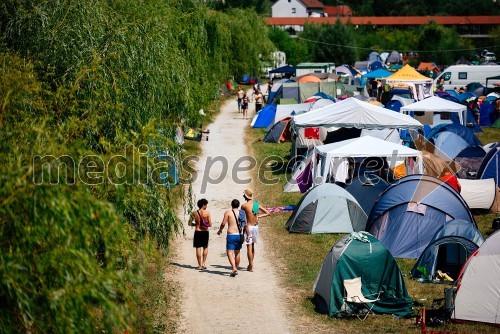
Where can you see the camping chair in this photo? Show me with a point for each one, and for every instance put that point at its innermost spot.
(355, 297)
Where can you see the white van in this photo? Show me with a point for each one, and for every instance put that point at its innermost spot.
(461, 75)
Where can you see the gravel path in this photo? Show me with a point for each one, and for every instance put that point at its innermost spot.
(211, 300)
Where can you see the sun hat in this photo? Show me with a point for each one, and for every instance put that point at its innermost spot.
(247, 193)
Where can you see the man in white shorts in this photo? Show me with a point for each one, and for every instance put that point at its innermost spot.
(252, 209)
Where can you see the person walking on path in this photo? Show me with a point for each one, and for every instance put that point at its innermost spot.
(252, 209)
(233, 241)
(202, 220)
(244, 105)
(239, 97)
(259, 99)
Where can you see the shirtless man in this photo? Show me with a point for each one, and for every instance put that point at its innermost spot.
(259, 99)
(252, 209)
(203, 221)
(239, 97)
(233, 242)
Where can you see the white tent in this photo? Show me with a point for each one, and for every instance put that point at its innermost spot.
(332, 156)
(391, 135)
(478, 194)
(286, 110)
(353, 113)
(436, 104)
(478, 295)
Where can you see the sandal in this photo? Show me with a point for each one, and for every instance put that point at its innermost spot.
(234, 273)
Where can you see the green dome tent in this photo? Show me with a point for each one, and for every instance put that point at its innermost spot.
(361, 255)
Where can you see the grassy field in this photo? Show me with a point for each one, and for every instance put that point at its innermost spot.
(299, 257)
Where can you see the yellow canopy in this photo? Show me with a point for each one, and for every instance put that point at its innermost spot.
(408, 74)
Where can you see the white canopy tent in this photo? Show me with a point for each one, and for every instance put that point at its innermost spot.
(436, 104)
(353, 113)
(333, 156)
(348, 113)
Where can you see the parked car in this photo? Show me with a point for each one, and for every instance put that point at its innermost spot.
(489, 56)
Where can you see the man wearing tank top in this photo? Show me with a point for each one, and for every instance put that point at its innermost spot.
(200, 240)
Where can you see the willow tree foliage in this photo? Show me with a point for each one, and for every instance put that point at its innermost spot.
(91, 94)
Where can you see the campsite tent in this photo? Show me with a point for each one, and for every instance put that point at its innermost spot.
(361, 255)
(394, 58)
(332, 155)
(469, 160)
(320, 103)
(301, 178)
(366, 189)
(353, 113)
(374, 56)
(428, 67)
(377, 74)
(279, 132)
(348, 113)
(376, 65)
(276, 90)
(478, 295)
(459, 228)
(422, 85)
(327, 208)
(287, 69)
(478, 194)
(464, 132)
(287, 110)
(436, 106)
(308, 78)
(448, 145)
(447, 254)
(264, 117)
(411, 210)
(490, 167)
(396, 102)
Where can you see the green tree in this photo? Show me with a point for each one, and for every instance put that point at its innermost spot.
(440, 44)
(283, 42)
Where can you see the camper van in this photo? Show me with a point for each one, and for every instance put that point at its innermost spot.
(461, 75)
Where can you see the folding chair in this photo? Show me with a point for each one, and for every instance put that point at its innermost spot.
(355, 297)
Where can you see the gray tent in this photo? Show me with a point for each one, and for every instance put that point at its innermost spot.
(327, 208)
(394, 58)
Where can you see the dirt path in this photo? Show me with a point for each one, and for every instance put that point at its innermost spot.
(212, 301)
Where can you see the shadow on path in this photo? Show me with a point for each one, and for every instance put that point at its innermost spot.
(208, 271)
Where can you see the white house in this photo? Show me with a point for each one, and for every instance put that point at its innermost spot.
(298, 8)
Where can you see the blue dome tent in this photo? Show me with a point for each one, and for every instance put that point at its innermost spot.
(411, 210)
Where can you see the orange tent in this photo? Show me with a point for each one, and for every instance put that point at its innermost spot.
(309, 78)
(428, 67)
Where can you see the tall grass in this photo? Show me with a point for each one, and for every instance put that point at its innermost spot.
(98, 79)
